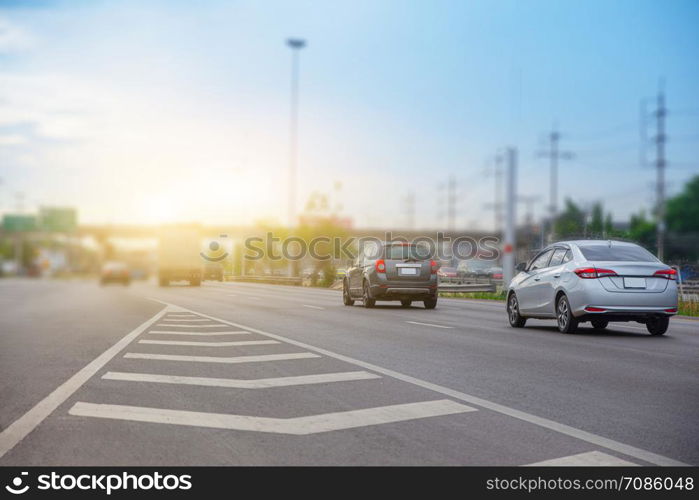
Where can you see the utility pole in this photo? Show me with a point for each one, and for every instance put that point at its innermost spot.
(529, 202)
(19, 240)
(554, 154)
(497, 205)
(660, 164)
(296, 45)
(410, 210)
(451, 202)
(509, 237)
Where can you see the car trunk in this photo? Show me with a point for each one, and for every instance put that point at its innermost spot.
(632, 277)
(408, 270)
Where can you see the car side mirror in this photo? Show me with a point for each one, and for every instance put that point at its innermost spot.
(521, 267)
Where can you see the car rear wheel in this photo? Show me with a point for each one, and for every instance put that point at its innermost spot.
(430, 303)
(657, 326)
(599, 324)
(346, 298)
(369, 302)
(513, 315)
(564, 316)
(406, 303)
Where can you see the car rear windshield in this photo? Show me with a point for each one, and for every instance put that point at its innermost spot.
(405, 252)
(617, 253)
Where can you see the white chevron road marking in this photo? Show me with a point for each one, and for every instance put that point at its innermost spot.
(217, 359)
(262, 383)
(313, 424)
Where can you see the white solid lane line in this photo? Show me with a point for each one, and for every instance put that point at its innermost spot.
(261, 383)
(428, 324)
(209, 344)
(597, 440)
(217, 359)
(312, 307)
(591, 458)
(207, 334)
(164, 325)
(27, 422)
(313, 424)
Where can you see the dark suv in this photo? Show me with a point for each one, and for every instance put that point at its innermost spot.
(392, 271)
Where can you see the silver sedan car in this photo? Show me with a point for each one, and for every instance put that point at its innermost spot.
(597, 281)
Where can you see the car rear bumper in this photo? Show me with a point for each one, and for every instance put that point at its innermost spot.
(385, 291)
(586, 299)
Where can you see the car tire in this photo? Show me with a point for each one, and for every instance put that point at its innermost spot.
(513, 315)
(658, 326)
(567, 323)
(346, 297)
(367, 299)
(430, 303)
(406, 303)
(599, 324)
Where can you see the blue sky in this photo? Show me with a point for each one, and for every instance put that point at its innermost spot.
(160, 110)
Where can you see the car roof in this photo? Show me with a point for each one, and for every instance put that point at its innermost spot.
(589, 243)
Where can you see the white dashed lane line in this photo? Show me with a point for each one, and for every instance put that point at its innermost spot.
(312, 306)
(428, 324)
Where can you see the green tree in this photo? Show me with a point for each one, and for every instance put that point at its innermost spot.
(642, 231)
(571, 222)
(682, 213)
(597, 221)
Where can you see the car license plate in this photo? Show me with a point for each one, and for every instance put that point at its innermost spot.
(407, 271)
(634, 282)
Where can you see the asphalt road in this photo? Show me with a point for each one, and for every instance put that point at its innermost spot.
(290, 376)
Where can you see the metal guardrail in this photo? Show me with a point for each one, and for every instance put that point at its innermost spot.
(467, 287)
(274, 280)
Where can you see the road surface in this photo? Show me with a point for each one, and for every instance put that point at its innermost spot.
(251, 374)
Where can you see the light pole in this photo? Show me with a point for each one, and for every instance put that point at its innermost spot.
(296, 44)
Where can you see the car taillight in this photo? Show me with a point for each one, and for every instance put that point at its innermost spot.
(593, 272)
(380, 266)
(434, 267)
(595, 309)
(670, 274)
(673, 310)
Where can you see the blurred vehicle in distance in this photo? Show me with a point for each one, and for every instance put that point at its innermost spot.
(494, 273)
(115, 272)
(213, 271)
(473, 268)
(392, 271)
(447, 272)
(597, 281)
(179, 256)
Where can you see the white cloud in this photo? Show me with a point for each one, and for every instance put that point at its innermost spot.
(12, 140)
(13, 38)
